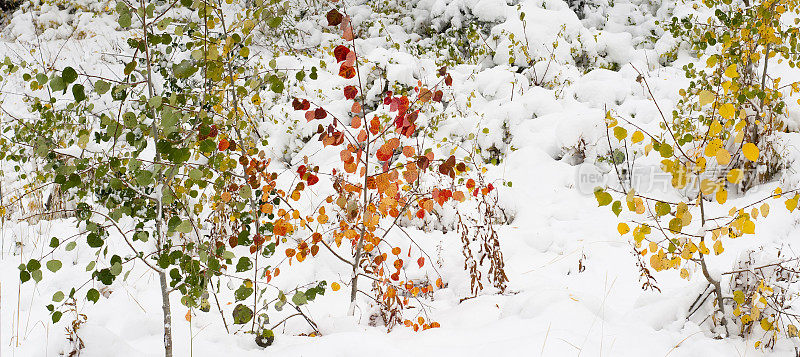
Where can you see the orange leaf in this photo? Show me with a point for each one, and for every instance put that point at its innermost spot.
(346, 71)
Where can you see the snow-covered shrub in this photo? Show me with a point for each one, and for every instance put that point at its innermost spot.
(719, 138)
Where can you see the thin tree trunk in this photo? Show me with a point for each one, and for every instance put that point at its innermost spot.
(162, 276)
(360, 244)
(706, 274)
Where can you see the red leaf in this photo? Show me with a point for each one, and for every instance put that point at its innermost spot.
(297, 104)
(384, 153)
(448, 80)
(334, 17)
(223, 145)
(437, 97)
(320, 113)
(310, 115)
(421, 261)
(312, 180)
(347, 71)
(340, 52)
(350, 92)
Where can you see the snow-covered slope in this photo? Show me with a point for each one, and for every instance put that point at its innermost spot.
(574, 286)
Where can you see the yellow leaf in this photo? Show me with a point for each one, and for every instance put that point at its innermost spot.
(703, 248)
(727, 110)
(623, 228)
(722, 196)
(712, 147)
(749, 227)
(791, 204)
(765, 324)
(738, 296)
(718, 249)
(731, 72)
(735, 176)
(708, 186)
(684, 273)
(639, 205)
(750, 151)
(711, 61)
(715, 128)
(620, 133)
(764, 210)
(723, 157)
(637, 137)
(335, 286)
(739, 137)
(610, 121)
(706, 97)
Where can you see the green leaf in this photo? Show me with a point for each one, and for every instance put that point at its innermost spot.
(196, 174)
(116, 268)
(53, 242)
(299, 298)
(665, 150)
(244, 264)
(662, 208)
(603, 198)
(101, 86)
(242, 292)
(33, 264)
(184, 227)
(78, 93)
(124, 20)
(54, 265)
(93, 295)
(242, 314)
(129, 67)
(144, 177)
(24, 276)
(675, 224)
(245, 191)
(94, 240)
(36, 275)
(58, 296)
(69, 75)
(57, 316)
(57, 84)
(616, 208)
(184, 69)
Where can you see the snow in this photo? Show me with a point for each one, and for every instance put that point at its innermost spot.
(574, 287)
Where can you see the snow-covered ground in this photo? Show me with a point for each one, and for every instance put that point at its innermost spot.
(574, 288)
